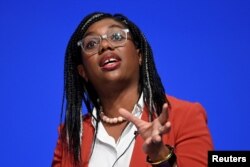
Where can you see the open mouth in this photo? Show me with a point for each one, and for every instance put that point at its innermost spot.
(110, 62)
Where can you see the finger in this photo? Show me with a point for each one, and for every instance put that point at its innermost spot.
(156, 139)
(156, 131)
(130, 117)
(166, 128)
(164, 114)
(153, 140)
(161, 129)
(146, 144)
(148, 141)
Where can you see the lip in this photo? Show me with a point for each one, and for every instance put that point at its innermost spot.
(109, 61)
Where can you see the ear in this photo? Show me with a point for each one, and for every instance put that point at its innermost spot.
(82, 72)
(139, 55)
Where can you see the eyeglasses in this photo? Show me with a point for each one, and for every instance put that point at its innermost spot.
(116, 37)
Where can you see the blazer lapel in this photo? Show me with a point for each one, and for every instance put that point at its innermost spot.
(87, 139)
(138, 156)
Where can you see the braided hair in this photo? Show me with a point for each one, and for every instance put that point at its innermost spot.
(77, 91)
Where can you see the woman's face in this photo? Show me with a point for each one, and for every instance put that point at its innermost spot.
(110, 64)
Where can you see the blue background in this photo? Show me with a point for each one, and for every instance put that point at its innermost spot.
(201, 50)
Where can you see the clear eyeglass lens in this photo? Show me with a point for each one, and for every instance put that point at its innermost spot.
(115, 37)
(91, 43)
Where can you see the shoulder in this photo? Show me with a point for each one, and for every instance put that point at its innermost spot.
(187, 117)
(189, 132)
(177, 103)
(86, 119)
(184, 108)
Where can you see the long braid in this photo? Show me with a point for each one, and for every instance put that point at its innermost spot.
(151, 84)
(77, 90)
(73, 89)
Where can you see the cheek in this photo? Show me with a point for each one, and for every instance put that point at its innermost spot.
(133, 58)
(90, 65)
(132, 53)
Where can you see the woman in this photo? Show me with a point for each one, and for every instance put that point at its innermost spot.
(130, 121)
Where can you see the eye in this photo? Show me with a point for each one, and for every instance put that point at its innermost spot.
(117, 36)
(90, 43)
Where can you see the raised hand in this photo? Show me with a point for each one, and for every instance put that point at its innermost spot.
(151, 132)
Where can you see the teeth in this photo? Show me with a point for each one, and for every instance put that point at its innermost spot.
(109, 60)
(112, 59)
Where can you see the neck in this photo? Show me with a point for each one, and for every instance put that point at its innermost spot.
(112, 101)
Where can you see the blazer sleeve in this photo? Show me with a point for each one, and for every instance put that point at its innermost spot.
(57, 159)
(193, 139)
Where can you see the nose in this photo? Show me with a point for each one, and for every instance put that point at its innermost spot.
(105, 45)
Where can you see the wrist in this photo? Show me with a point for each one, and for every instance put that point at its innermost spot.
(165, 161)
(158, 154)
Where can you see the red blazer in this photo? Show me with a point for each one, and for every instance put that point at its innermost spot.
(189, 135)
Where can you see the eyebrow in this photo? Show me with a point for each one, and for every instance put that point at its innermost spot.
(111, 26)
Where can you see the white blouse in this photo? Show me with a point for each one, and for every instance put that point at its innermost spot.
(107, 152)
